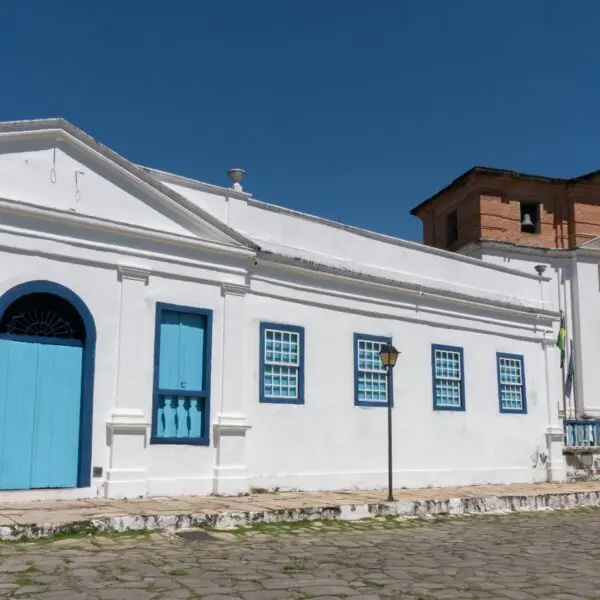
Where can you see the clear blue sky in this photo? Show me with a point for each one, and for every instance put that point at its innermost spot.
(355, 110)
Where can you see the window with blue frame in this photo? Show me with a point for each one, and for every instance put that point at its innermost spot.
(511, 383)
(281, 364)
(181, 411)
(370, 376)
(448, 378)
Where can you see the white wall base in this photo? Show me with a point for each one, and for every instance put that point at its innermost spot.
(230, 473)
(402, 479)
(126, 483)
(180, 486)
(231, 481)
(94, 491)
(556, 466)
(127, 475)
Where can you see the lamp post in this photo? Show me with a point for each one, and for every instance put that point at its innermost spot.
(388, 356)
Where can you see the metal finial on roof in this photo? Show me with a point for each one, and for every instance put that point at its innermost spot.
(236, 175)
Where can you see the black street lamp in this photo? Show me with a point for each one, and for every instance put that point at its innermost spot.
(388, 356)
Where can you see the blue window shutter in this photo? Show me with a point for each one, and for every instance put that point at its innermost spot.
(168, 378)
(191, 352)
(181, 413)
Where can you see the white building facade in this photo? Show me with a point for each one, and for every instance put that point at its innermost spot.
(162, 336)
(573, 290)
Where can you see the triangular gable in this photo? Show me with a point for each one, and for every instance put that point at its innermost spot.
(53, 164)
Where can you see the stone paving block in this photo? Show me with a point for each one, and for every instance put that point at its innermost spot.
(62, 595)
(266, 595)
(520, 556)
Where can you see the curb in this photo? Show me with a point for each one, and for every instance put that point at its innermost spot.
(345, 512)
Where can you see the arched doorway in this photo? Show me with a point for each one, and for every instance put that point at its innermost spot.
(47, 343)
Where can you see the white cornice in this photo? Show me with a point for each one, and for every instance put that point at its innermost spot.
(385, 304)
(507, 249)
(112, 251)
(416, 290)
(388, 239)
(63, 216)
(450, 318)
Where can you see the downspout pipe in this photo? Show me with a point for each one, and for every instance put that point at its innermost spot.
(578, 398)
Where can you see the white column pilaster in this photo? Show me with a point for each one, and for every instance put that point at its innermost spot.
(555, 464)
(129, 420)
(230, 424)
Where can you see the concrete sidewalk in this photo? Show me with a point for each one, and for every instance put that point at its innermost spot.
(44, 518)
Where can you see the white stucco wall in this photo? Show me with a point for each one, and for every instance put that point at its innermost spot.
(587, 355)
(330, 443)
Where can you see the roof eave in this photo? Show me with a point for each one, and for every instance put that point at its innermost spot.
(484, 171)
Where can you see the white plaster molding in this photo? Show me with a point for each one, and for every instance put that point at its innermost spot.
(230, 424)
(230, 477)
(135, 273)
(232, 419)
(413, 307)
(554, 433)
(20, 234)
(416, 290)
(548, 342)
(234, 289)
(127, 419)
(70, 218)
(507, 248)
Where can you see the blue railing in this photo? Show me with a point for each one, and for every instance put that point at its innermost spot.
(582, 432)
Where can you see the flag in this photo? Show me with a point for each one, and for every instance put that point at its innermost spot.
(570, 373)
(560, 340)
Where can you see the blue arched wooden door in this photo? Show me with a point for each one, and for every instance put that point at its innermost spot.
(42, 338)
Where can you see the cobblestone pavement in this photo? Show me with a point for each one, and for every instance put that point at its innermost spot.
(549, 555)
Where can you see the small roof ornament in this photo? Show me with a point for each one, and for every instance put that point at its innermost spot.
(237, 175)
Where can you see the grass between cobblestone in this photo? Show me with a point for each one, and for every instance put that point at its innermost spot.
(86, 529)
(76, 531)
(367, 524)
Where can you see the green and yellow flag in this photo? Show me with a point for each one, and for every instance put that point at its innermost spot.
(560, 340)
(570, 373)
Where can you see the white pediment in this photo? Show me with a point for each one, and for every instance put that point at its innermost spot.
(62, 169)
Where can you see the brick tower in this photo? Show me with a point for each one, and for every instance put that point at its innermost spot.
(486, 204)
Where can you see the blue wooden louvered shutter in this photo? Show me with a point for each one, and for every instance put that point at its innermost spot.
(182, 376)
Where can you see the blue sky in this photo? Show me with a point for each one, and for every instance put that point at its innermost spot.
(355, 110)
